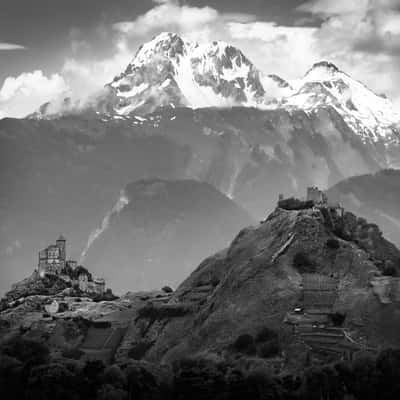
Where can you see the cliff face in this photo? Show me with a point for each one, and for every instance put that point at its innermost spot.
(258, 281)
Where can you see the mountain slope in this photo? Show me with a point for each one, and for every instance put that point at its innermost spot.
(375, 197)
(160, 231)
(260, 278)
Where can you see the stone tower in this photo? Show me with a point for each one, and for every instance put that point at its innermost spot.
(316, 195)
(61, 244)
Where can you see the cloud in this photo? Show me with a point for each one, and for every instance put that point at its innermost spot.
(87, 76)
(11, 46)
(329, 7)
(24, 94)
(282, 50)
(361, 36)
(196, 23)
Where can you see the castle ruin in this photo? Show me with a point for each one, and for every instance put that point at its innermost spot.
(314, 198)
(316, 195)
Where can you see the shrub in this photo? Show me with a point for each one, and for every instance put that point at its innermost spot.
(167, 289)
(303, 263)
(269, 349)
(337, 318)
(138, 350)
(163, 311)
(244, 344)
(333, 244)
(390, 269)
(340, 232)
(27, 351)
(73, 354)
(215, 281)
(265, 335)
(114, 376)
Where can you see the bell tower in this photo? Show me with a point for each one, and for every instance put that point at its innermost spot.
(61, 244)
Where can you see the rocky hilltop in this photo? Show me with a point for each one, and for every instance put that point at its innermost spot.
(316, 280)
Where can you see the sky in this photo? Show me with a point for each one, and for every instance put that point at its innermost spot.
(55, 48)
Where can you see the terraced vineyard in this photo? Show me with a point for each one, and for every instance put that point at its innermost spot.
(101, 343)
(314, 326)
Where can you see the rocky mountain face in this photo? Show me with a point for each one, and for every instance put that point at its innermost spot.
(171, 71)
(374, 197)
(284, 276)
(159, 231)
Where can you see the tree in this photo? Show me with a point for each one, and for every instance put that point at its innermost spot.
(52, 381)
(28, 351)
(303, 263)
(269, 349)
(265, 334)
(333, 244)
(245, 344)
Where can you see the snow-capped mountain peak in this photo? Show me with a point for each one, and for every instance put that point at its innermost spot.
(371, 116)
(322, 70)
(170, 70)
(165, 44)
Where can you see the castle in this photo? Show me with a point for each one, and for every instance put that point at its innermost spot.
(314, 198)
(53, 261)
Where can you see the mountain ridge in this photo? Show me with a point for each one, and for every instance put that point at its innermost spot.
(169, 71)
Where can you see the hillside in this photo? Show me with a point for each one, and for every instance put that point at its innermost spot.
(375, 197)
(161, 231)
(266, 273)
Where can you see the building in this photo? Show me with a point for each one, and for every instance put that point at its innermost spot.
(83, 281)
(316, 195)
(99, 286)
(87, 284)
(52, 259)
